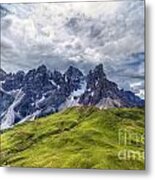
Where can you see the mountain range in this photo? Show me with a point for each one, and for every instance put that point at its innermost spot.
(40, 92)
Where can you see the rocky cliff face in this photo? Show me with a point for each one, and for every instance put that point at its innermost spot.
(39, 92)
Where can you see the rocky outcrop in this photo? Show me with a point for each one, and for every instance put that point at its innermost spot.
(44, 92)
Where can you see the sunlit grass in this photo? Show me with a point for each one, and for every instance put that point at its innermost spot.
(80, 137)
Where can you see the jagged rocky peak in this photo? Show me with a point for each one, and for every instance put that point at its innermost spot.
(2, 74)
(2, 71)
(96, 77)
(57, 77)
(42, 69)
(40, 92)
(73, 77)
(99, 72)
(73, 72)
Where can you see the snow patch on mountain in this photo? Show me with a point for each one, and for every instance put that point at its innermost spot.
(80, 91)
(30, 117)
(53, 82)
(73, 99)
(9, 117)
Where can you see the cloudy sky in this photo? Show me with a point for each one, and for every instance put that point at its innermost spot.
(80, 34)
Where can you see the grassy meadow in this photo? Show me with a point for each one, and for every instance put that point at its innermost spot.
(79, 137)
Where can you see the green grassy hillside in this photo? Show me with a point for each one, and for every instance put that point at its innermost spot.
(79, 137)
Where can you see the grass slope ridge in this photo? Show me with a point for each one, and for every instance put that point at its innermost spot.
(79, 137)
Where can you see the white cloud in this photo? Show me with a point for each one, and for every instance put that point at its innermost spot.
(83, 34)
